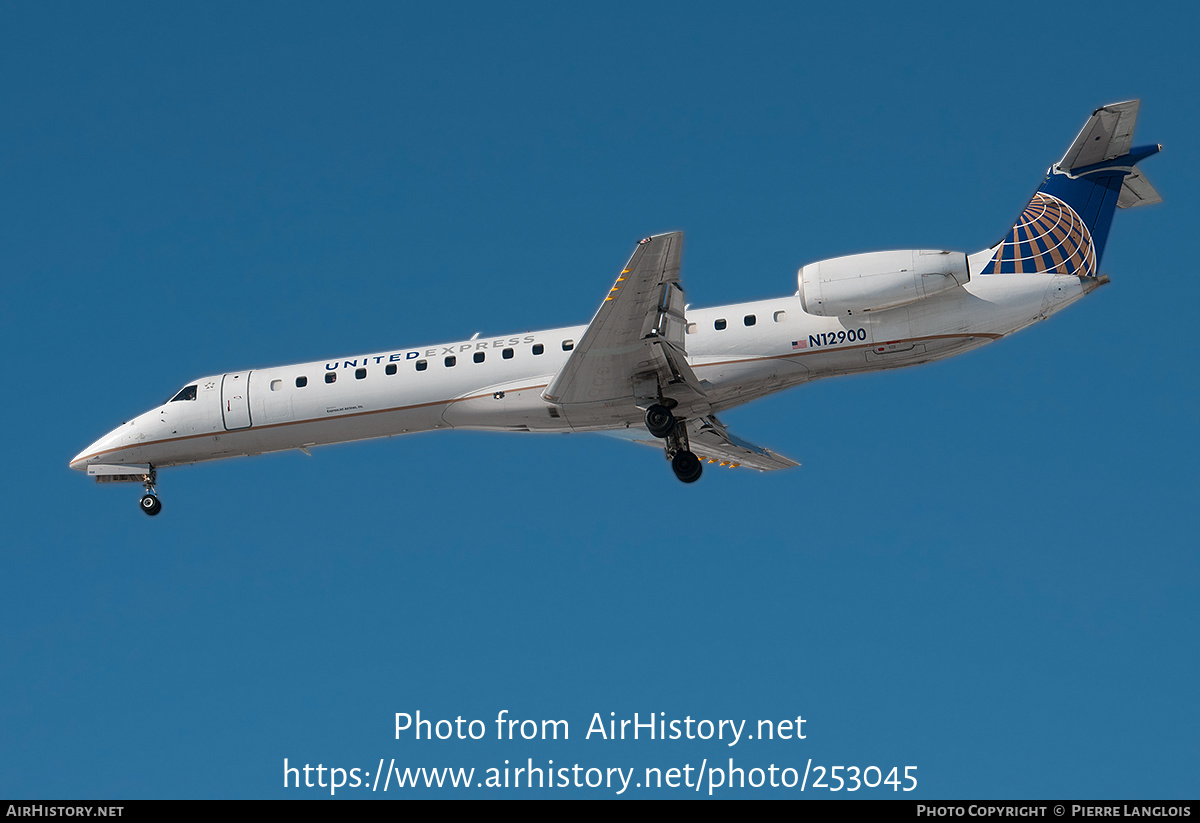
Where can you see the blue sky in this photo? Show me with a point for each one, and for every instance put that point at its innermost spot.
(986, 567)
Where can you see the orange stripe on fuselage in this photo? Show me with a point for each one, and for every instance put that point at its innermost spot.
(697, 366)
(217, 433)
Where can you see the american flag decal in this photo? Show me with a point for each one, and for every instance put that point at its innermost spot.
(799, 344)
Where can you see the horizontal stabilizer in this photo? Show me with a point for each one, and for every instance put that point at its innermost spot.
(1108, 133)
(1137, 191)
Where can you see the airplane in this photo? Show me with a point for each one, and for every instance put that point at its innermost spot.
(650, 368)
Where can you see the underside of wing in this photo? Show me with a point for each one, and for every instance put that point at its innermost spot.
(711, 442)
(632, 354)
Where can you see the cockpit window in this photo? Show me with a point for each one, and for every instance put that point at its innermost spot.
(188, 393)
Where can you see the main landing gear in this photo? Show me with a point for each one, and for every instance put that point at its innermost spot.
(150, 503)
(687, 466)
(661, 422)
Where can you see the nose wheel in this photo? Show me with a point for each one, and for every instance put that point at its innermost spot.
(150, 503)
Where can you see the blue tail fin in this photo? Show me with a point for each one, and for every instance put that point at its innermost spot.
(1064, 228)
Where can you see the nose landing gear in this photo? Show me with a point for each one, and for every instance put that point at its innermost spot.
(150, 503)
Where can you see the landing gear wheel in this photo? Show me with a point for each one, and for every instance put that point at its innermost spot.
(687, 466)
(151, 504)
(659, 420)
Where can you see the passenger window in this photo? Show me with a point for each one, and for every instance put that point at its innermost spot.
(301, 382)
(391, 369)
(538, 348)
(422, 365)
(479, 357)
(719, 325)
(276, 385)
(691, 328)
(359, 374)
(749, 319)
(507, 354)
(568, 345)
(330, 376)
(188, 393)
(451, 360)
(780, 316)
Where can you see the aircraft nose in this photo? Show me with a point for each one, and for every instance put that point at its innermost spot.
(102, 446)
(88, 455)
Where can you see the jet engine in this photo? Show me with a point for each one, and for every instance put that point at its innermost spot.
(879, 280)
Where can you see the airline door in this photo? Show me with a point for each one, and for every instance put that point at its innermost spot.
(235, 400)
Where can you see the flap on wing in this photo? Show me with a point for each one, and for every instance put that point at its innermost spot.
(638, 332)
(675, 376)
(1108, 133)
(1137, 191)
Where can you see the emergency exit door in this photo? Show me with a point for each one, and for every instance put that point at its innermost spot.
(235, 400)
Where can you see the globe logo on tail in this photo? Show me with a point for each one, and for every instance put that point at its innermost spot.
(1049, 238)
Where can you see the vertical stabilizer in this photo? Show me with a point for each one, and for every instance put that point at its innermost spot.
(1065, 227)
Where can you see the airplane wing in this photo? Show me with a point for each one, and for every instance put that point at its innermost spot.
(712, 442)
(633, 351)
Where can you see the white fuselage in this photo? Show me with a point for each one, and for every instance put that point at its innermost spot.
(496, 383)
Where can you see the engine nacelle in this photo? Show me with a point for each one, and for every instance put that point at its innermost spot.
(879, 280)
